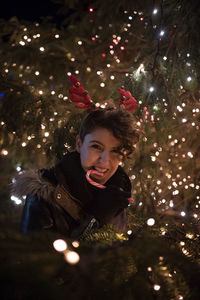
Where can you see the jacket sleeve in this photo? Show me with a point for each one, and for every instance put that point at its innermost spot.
(35, 216)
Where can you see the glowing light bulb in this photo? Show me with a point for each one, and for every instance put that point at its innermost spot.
(75, 244)
(151, 89)
(42, 49)
(46, 134)
(155, 11)
(79, 43)
(150, 222)
(72, 257)
(16, 200)
(102, 84)
(60, 245)
(162, 33)
(4, 152)
(182, 213)
(156, 287)
(190, 154)
(153, 158)
(189, 78)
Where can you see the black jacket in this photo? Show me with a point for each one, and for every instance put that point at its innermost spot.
(61, 199)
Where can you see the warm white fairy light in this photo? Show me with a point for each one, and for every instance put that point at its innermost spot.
(46, 134)
(155, 11)
(184, 120)
(69, 73)
(129, 232)
(190, 154)
(18, 168)
(57, 36)
(150, 222)
(22, 43)
(112, 77)
(53, 92)
(189, 78)
(156, 287)
(41, 92)
(162, 33)
(16, 200)
(79, 43)
(60, 245)
(72, 257)
(42, 49)
(179, 108)
(182, 213)
(176, 192)
(24, 144)
(164, 57)
(37, 73)
(4, 152)
(102, 84)
(75, 244)
(151, 89)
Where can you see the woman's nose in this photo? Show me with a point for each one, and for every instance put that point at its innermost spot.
(104, 157)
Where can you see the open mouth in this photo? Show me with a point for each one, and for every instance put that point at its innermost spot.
(99, 171)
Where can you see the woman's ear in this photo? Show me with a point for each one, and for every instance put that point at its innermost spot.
(78, 143)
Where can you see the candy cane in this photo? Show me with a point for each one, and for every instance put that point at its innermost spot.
(101, 186)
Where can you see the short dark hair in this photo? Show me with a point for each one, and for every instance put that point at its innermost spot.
(119, 121)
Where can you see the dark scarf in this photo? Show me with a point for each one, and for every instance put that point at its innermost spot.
(71, 175)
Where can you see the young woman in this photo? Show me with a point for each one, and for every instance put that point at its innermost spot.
(63, 199)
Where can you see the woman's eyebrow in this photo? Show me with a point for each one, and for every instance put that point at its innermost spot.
(95, 141)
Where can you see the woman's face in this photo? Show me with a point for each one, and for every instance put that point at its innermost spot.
(100, 151)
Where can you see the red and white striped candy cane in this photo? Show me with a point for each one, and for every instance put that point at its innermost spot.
(101, 186)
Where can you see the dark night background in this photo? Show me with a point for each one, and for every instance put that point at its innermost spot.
(27, 10)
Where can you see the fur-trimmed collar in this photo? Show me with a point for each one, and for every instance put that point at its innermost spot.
(31, 182)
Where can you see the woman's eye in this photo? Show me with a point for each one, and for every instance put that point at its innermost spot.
(95, 146)
(118, 153)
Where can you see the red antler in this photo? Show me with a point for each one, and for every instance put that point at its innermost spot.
(80, 95)
(127, 100)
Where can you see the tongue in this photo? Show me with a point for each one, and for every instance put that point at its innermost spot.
(96, 172)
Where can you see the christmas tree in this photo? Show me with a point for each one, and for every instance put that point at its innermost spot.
(152, 50)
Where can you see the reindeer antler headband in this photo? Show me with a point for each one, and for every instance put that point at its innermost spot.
(80, 96)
